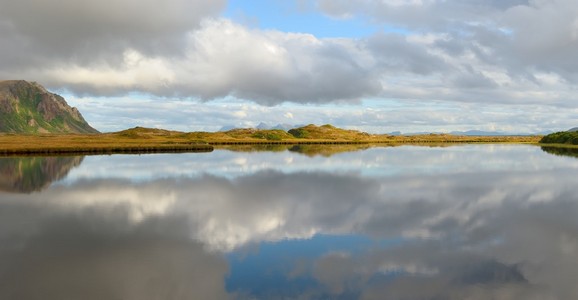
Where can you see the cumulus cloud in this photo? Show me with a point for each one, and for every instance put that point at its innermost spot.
(480, 52)
(270, 67)
(223, 58)
(419, 14)
(92, 32)
(503, 49)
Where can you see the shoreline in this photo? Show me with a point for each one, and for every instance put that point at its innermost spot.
(112, 143)
(106, 150)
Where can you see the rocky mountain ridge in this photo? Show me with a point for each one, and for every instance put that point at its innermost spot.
(27, 107)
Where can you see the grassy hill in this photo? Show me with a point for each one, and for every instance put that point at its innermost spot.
(562, 137)
(328, 132)
(27, 107)
(141, 139)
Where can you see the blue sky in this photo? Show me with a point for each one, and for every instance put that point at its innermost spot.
(372, 65)
(291, 16)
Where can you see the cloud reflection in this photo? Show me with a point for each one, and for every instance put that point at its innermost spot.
(97, 253)
(498, 233)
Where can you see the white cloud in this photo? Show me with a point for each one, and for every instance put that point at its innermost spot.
(87, 31)
(116, 114)
(483, 52)
(271, 67)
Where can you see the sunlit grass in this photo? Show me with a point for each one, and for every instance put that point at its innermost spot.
(157, 140)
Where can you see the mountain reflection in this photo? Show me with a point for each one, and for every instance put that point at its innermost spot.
(483, 234)
(31, 174)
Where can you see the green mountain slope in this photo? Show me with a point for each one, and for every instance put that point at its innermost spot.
(27, 107)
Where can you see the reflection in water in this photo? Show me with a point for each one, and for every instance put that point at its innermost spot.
(487, 232)
(97, 255)
(309, 150)
(327, 150)
(31, 174)
(561, 151)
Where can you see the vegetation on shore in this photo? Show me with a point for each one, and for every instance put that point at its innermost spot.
(328, 134)
(141, 139)
(562, 137)
(105, 143)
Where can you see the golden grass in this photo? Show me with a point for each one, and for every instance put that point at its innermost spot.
(95, 143)
(158, 140)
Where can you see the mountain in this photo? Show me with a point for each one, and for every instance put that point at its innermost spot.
(227, 128)
(544, 132)
(27, 107)
(264, 126)
(287, 127)
(573, 129)
(479, 133)
(280, 126)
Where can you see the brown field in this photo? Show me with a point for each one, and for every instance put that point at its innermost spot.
(142, 140)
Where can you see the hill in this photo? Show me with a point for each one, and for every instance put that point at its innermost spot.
(327, 132)
(562, 137)
(145, 140)
(27, 107)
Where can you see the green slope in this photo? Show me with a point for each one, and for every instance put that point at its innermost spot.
(27, 107)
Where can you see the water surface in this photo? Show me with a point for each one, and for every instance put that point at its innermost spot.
(468, 222)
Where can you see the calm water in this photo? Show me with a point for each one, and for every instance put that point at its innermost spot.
(468, 222)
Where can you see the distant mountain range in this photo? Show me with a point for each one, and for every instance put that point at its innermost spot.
(287, 127)
(494, 133)
(476, 133)
(265, 126)
(27, 107)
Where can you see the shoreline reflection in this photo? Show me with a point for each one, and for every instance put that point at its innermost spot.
(490, 233)
(32, 174)
(561, 151)
(311, 150)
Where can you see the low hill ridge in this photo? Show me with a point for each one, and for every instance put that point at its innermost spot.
(562, 137)
(27, 107)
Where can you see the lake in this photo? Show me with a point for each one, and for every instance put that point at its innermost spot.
(292, 222)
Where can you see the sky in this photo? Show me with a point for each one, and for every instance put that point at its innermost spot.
(373, 65)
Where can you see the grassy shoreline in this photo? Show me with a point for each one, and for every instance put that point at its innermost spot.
(142, 140)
